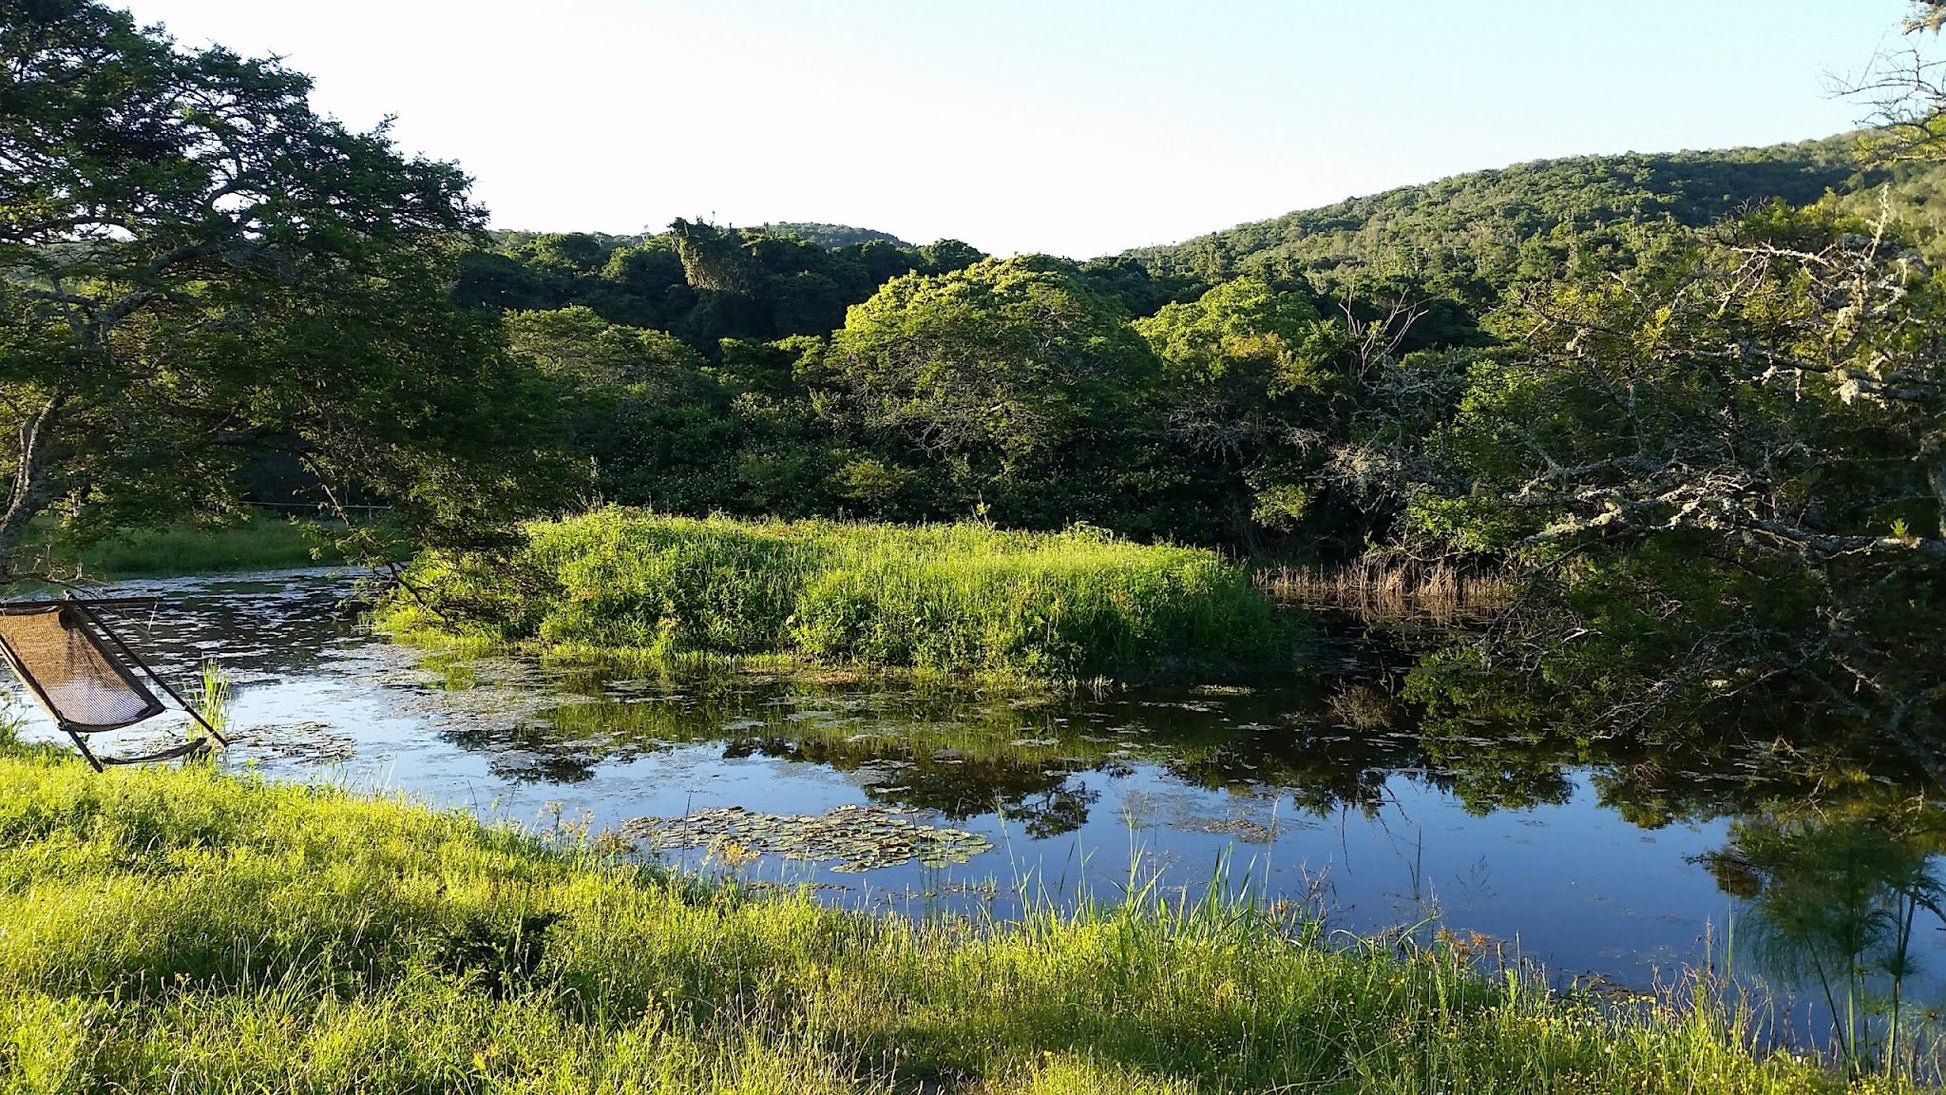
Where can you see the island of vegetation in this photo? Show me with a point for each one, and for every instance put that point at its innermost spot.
(965, 600)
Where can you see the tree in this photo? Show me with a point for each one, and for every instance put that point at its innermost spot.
(195, 266)
(1026, 390)
(641, 410)
(1722, 475)
(1244, 384)
(1281, 420)
(1906, 92)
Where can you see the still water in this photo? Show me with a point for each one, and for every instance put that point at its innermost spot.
(1589, 861)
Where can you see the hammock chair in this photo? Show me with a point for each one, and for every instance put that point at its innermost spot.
(85, 675)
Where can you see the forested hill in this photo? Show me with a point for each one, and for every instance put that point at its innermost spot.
(1458, 244)
(824, 235)
(831, 235)
(1516, 223)
(699, 281)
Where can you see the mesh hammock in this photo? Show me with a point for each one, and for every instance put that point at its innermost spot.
(77, 668)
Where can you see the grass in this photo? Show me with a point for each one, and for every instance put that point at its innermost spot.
(950, 599)
(256, 542)
(181, 930)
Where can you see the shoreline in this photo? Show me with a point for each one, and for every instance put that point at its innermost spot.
(254, 933)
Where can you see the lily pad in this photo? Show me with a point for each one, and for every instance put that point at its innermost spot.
(859, 838)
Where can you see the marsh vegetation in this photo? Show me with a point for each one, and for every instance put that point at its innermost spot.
(961, 599)
(1377, 591)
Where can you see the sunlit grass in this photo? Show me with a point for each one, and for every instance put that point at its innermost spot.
(185, 931)
(949, 599)
(258, 542)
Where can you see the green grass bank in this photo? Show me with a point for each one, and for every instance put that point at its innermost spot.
(257, 542)
(952, 599)
(180, 930)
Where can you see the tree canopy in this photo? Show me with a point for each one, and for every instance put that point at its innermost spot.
(1026, 388)
(199, 268)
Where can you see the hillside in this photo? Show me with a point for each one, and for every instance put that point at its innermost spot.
(1519, 222)
(831, 235)
(1467, 238)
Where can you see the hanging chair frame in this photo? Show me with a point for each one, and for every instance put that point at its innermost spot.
(128, 662)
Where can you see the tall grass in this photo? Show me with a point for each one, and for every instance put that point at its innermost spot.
(213, 697)
(949, 598)
(180, 930)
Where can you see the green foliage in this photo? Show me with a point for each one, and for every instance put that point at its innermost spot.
(1297, 407)
(643, 409)
(702, 282)
(1026, 389)
(186, 288)
(947, 598)
(1479, 232)
(1641, 640)
(1245, 370)
(185, 930)
(255, 542)
(1716, 465)
(578, 347)
(832, 235)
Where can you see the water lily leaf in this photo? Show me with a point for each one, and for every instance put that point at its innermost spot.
(857, 838)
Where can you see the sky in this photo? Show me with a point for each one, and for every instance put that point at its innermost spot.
(1074, 127)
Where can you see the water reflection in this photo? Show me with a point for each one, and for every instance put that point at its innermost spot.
(1610, 855)
(1834, 902)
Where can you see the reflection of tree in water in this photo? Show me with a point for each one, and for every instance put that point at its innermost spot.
(958, 786)
(285, 625)
(926, 751)
(1055, 811)
(1831, 903)
(1330, 745)
(1497, 733)
(540, 751)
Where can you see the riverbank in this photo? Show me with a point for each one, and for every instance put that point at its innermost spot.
(944, 599)
(255, 542)
(178, 929)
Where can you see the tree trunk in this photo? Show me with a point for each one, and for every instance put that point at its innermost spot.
(30, 488)
(1934, 454)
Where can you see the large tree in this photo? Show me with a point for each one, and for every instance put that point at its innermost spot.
(649, 420)
(196, 267)
(1722, 476)
(1011, 382)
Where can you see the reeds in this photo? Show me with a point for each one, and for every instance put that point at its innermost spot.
(1383, 591)
(213, 696)
(955, 599)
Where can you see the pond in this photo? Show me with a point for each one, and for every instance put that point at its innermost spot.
(1604, 862)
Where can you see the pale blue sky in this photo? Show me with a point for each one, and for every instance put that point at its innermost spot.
(1079, 127)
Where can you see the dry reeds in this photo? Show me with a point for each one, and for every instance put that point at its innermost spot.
(1374, 589)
